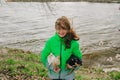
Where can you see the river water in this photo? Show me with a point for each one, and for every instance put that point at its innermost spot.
(27, 25)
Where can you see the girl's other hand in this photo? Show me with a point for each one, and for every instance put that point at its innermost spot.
(57, 69)
(69, 66)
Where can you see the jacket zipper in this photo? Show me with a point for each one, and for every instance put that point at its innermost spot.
(60, 58)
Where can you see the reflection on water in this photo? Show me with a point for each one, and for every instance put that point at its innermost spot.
(28, 25)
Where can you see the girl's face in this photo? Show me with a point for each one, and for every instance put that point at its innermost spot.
(61, 32)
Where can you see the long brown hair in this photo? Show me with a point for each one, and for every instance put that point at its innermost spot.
(64, 23)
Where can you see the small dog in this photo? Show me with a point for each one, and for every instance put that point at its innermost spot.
(73, 62)
(54, 61)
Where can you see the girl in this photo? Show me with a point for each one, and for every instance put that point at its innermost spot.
(64, 43)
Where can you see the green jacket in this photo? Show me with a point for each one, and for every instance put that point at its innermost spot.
(56, 46)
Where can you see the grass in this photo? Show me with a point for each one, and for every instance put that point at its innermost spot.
(19, 63)
(24, 65)
(114, 75)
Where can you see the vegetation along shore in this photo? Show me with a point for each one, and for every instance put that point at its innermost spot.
(16, 64)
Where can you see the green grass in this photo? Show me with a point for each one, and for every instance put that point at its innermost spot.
(114, 75)
(24, 65)
(18, 62)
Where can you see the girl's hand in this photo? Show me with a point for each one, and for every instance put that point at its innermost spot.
(69, 66)
(72, 67)
(57, 69)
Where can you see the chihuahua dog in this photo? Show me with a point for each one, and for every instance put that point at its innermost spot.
(54, 61)
(73, 62)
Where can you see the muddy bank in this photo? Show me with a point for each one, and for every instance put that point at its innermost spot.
(17, 64)
(108, 59)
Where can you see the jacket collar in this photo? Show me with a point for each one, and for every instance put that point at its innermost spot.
(58, 37)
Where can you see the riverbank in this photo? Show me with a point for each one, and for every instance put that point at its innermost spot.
(25, 65)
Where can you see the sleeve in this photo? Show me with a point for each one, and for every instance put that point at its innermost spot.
(45, 52)
(76, 50)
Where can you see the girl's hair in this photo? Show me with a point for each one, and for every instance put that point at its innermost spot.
(64, 23)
